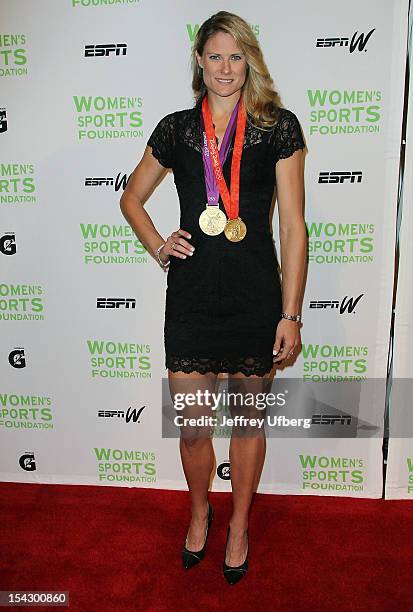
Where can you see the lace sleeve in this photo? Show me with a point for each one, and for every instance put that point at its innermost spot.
(288, 136)
(162, 141)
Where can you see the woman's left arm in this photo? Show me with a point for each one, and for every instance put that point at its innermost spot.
(289, 174)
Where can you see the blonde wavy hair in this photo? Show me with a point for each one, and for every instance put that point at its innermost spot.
(261, 102)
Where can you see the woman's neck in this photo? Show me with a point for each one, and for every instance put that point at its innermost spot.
(221, 106)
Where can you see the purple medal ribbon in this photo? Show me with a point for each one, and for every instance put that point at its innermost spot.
(212, 188)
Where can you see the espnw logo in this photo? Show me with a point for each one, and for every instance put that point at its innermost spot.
(358, 41)
(3, 120)
(347, 304)
(102, 302)
(119, 182)
(105, 50)
(17, 358)
(132, 414)
(224, 470)
(27, 462)
(353, 176)
(8, 243)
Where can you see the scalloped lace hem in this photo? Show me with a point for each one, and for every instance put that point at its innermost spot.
(255, 365)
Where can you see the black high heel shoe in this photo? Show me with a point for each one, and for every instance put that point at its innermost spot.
(192, 557)
(234, 574)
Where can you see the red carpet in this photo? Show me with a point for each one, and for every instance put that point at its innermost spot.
(118, 549)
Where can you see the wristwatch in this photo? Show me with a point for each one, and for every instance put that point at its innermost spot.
(290, 317)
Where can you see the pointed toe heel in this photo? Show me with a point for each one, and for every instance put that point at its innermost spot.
(234, 574)
(189, 558)
(193, 557)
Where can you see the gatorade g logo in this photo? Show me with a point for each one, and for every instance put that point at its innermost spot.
(3, 120)
(8, 244)
(224, 470)
(17, 358)
(27, 462)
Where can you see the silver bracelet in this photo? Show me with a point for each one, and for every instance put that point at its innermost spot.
(159, 257)
(290, 317)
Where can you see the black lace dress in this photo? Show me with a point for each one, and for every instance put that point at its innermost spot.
(224, 302)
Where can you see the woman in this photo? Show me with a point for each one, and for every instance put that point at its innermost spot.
(226, 309)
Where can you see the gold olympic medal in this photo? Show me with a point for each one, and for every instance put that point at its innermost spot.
(212, 220)
(235, 230)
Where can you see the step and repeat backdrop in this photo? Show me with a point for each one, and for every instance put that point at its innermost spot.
(399, 477)
(83, 83)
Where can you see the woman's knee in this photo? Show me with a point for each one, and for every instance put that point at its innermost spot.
(195, 439)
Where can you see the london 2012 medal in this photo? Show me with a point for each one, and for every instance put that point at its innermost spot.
(235, 229)
(212, 220)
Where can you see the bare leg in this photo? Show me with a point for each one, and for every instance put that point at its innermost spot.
(197, 453)
(246, 454)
